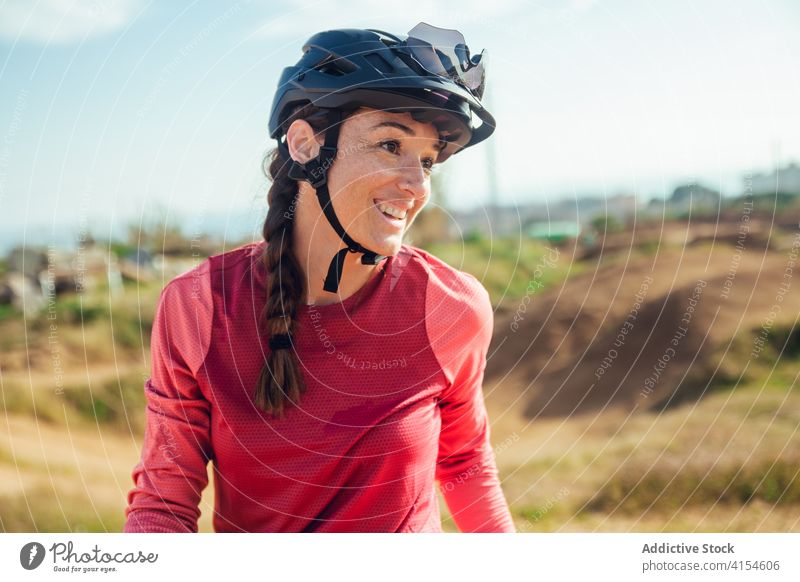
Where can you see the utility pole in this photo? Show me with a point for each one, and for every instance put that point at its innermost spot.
(491, 171)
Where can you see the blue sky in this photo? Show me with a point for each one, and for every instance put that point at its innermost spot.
(113, 110)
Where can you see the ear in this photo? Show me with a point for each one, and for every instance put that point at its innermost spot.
(302, 143)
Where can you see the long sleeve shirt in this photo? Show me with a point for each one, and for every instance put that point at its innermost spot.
(393, 404)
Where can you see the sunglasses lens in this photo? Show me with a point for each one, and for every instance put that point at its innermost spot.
(475, 77)
(444, 52)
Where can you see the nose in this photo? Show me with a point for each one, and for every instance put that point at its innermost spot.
(414, 180)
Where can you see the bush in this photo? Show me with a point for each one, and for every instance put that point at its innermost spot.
(633, 490)
(606, 224)
(118, 403)
(73, 310)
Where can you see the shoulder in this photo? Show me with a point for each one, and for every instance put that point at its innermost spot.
(186, 306)
(193, 287)
(246, 254)
(458, 312)
(441, 277)
(449, 289)
(197, 280)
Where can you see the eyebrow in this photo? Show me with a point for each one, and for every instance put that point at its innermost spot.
(407, 130)
(404, 128)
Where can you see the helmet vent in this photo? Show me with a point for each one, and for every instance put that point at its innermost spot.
(336, 67)
(379, 63)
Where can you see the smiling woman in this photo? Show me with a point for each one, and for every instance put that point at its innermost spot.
(331, 393)
(381, 181)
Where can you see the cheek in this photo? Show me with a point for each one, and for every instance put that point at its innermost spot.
(353, 199)
(355, 176)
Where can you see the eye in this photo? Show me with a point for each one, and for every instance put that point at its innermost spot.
(393, 145)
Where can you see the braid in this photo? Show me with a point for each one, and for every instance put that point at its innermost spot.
(280, 382)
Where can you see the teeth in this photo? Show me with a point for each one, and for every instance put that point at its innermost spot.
(392, 211)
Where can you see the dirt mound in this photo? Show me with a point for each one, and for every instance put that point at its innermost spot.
(647, 328)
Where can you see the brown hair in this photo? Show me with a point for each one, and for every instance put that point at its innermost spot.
(281, 380)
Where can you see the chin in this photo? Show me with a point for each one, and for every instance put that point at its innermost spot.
(387, 247)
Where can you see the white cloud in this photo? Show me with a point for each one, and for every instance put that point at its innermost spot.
(302, 18)
(63, 21)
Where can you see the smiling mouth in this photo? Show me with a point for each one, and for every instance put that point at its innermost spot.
(390, 211)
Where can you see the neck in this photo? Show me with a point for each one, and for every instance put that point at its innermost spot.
(315, 267)
(315, 243)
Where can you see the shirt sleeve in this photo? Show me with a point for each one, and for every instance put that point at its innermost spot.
(460, 320)
(172, 473)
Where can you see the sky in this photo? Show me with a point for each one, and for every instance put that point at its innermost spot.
(116, 111)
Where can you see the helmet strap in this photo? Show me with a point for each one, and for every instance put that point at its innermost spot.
(315, 172)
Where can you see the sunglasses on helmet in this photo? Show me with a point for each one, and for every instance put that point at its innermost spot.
(444, 52)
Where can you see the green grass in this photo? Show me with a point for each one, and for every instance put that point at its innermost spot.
(507, 266)
(132, 320)
(74, 310)
(636, 488)
(117, 403)
(776, 366)
(8, 311)
(88, 329)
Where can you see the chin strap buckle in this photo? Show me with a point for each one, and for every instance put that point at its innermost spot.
(370, 258)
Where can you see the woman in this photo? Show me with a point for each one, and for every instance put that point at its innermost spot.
(331, 394)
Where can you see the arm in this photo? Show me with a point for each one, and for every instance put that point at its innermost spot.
(171, 475)
(466, 468)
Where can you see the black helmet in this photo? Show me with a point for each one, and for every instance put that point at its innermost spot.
(429, 74)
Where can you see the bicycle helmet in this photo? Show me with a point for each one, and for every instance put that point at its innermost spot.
(429, 74)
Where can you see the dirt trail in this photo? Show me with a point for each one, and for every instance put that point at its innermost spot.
(638, 328)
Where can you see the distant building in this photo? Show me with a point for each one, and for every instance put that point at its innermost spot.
(36, 274)
(554, 231)
(620, 207)
(567, 216)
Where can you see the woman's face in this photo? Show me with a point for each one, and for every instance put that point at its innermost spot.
(380, 179)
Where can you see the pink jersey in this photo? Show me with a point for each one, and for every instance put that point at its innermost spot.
(393, 404)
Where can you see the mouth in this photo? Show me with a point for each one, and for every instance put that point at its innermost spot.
(393, 214)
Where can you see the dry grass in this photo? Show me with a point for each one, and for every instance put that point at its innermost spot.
(69, 477)
(81, 331)
(111, 397)
(727, 461)
(713, 465)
